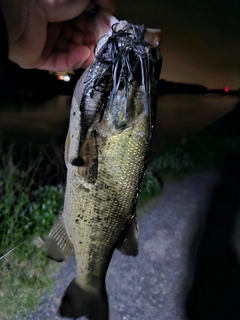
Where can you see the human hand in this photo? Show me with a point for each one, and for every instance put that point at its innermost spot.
(52, 35)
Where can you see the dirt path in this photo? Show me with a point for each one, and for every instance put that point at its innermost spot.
(153, 285)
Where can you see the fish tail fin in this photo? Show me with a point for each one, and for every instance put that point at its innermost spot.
(78, 301)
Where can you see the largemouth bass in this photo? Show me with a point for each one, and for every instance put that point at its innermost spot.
(111, 123)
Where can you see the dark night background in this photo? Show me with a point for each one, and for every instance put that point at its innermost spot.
(200, 38)
(201, 58)
(200, 46)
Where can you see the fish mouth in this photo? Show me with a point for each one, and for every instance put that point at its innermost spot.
(129, 59)
(129, 54)
(132, 60)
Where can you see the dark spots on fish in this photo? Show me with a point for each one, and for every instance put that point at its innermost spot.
(78, 162)
(103, 186)
(74, 113)
(80, 216)
(80, 242)
(76, 220)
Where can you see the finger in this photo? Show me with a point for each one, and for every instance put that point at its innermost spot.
(94, 26)
(64, 10)
(79, 38)
(90, 59)
(91, 22)
(72, 37)
(79, 56)
(85, 22)
(73, 34)
(105, 4)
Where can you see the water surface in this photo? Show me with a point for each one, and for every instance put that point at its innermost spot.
(177, 116)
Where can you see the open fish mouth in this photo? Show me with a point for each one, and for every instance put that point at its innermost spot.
(129, 58)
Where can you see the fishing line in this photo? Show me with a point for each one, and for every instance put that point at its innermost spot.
(15, 247)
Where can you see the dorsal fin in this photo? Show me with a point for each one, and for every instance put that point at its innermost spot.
(58, 244)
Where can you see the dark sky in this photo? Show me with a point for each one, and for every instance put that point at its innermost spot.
(201, 39)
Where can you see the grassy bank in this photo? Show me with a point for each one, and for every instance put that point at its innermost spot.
(28, 209)
(194, 153)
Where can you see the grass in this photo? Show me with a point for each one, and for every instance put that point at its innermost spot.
(193, 153)
(28, 208)
(24, 279)
(27, 212)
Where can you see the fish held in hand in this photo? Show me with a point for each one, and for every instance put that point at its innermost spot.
(111, 123)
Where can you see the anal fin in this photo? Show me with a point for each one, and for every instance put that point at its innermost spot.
(129, 244)
(58, 244)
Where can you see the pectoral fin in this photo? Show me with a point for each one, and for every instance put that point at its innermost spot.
(58, 244)
(129, 244)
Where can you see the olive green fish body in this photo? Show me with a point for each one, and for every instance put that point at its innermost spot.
(98, 212)
(106, 152)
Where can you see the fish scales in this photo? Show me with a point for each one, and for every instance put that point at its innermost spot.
(110, 132)
(113, 197)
